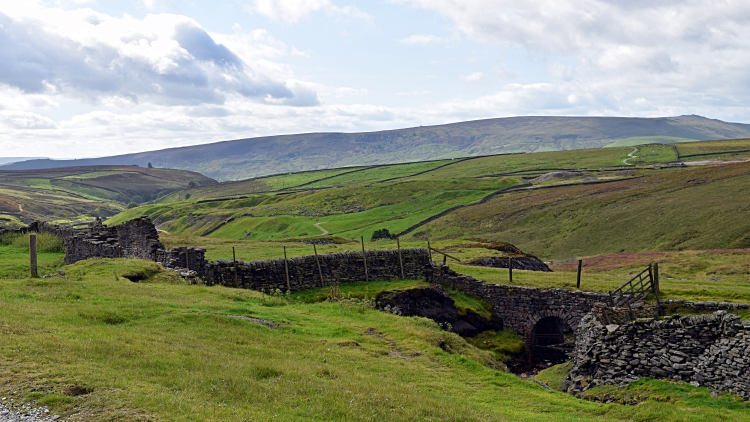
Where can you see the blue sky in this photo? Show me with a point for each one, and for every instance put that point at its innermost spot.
(83, 78)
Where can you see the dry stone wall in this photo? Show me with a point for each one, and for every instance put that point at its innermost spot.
(304, 274)
(136, 238)
(706, 349)
(189, 260)
(62, 232)
(610, 315)
(520, 308)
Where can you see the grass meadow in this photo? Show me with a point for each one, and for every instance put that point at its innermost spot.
(162, 350)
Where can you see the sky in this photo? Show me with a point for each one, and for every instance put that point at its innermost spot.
(89, 78)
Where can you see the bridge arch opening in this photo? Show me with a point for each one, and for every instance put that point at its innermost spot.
(550, 331)
(551, 340)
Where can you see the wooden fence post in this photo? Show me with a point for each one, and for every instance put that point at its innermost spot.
(317, 262)
(655, 286)
(234, 265)
(32, 256)
(364, 258)
(400, 261)
(429, 250)
(187, 262)
(578, 279)
(286, 269)
(510, 269)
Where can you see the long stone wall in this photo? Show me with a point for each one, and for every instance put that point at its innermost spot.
(708, 349)
(138, 238)
(187, 259)
(520, 308)
(304, 273)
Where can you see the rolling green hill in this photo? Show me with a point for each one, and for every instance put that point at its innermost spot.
(255, 157)
(662, 210)
(75, 193)
(551, 204)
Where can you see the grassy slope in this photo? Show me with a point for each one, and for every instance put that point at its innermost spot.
(379, 173)
(695, 208)
(416, 193)
(159, 351)
(723, 149)
(347, 211)
(73, 193)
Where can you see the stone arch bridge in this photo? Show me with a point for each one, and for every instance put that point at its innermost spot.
(529, 311)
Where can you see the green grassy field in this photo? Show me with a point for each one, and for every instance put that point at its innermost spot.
(161, 350)
(75, 194)
(15, 262)
(349, 212)
(362, 200)
(380, 173)
(710, 150)
(653, 154)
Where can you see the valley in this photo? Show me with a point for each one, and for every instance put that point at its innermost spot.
(170, 347)
(555, 205)
(79, 194)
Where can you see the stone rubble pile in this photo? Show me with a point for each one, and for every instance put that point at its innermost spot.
(712, 350)
(18, 412)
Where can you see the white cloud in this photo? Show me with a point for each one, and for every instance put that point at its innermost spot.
(412, 93)
(671, 54)
(150, 4)
(161, 59)
(561, 71)
(12, 119)
(422, 39)
(293, 11)
(473, 77)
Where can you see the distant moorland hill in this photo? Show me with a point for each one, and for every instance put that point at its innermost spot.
(73, 194)
(255, 157)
